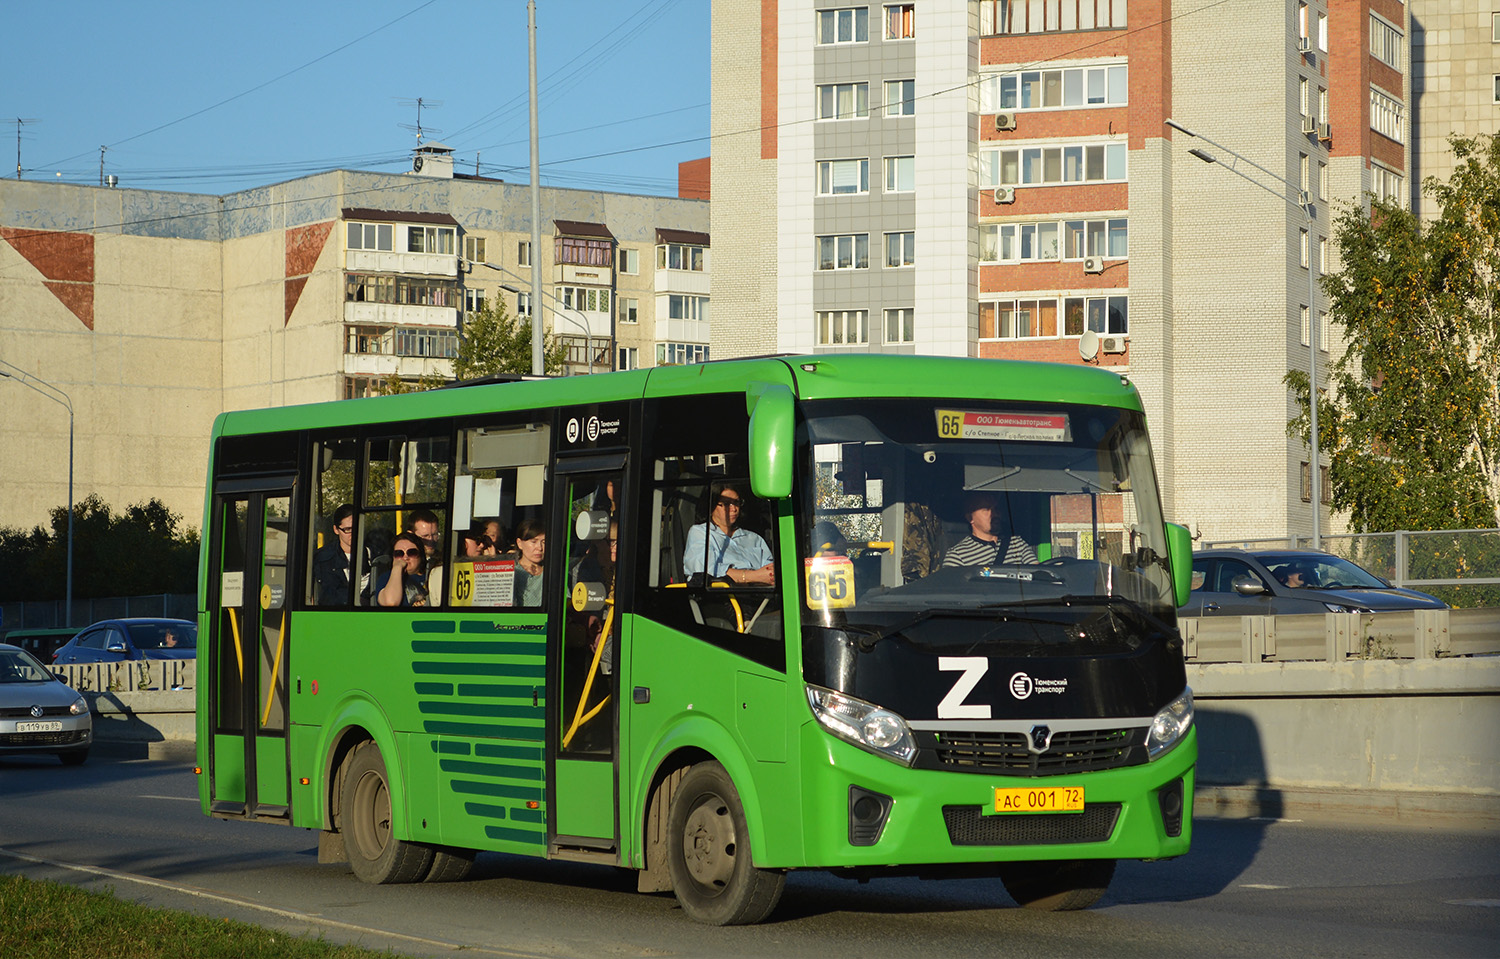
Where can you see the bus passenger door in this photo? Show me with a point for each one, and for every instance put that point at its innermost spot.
(248, 761)
(585, 640)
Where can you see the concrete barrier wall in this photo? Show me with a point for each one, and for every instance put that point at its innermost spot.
(140, 708)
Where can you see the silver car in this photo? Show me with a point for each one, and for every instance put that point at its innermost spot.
(38, 712)
(1271, 582)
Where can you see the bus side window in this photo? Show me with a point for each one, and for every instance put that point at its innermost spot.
(499, 488)
(698, 485)
(405, 492)
(330, 566)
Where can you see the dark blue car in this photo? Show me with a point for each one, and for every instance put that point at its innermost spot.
(116, 640)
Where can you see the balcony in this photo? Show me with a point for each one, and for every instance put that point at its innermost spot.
(396, 314)
(412, 264)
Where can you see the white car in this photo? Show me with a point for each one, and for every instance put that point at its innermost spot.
(38, 712)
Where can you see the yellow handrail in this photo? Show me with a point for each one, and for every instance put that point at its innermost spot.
(579, 718)
(275, 669)
(239, 652)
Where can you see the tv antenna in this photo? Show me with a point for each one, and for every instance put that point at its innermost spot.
(419, 103)
(20, 123)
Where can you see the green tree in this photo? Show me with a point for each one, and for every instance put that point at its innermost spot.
(143, 550)
(1409, 421)
(495, 342)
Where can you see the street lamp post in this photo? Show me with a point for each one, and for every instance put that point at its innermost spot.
(1302, 199)
(53, 393)
(536, 201)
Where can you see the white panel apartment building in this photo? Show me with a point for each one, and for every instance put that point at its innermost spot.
(995, 179)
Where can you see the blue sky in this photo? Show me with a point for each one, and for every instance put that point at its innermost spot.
(203, 97)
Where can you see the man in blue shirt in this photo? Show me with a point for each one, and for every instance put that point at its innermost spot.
(723, 550)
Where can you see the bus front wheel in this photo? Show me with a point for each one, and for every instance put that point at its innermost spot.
(1058, 886)
(375, 854)
(708, 853)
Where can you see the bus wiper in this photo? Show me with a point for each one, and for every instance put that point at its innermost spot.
(1135, 609)
(869, 637)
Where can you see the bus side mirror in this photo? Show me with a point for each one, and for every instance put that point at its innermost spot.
(772, 411)
(1180, 550)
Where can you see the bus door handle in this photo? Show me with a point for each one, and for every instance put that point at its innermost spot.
(1211, 607)
(641, 695)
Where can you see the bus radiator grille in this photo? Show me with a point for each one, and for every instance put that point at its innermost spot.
(968, 826)
(1075, 751)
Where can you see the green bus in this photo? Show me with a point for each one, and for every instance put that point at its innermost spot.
(877, 615)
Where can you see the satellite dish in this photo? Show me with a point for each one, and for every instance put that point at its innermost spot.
(416, 165)
(1088, 345)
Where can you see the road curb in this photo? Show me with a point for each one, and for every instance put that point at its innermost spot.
(1365, 806)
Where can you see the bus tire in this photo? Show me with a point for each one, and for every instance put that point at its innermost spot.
(450, 864)
(1057, 886)
(375, 854)
(708, 853)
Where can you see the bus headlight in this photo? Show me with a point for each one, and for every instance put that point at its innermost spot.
(1170, 724)
(866, 725)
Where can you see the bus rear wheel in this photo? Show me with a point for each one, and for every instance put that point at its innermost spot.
(375, 854)
(1059, 886)
(708, 853)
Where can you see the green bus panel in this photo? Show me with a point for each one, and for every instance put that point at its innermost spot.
(228, 768)
(307, 806)
(585, 791)
(489, 794)
(270, 771)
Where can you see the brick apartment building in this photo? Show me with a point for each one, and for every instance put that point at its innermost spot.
(997, 179)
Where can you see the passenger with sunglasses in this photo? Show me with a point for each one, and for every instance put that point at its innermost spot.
(405, 584)
(723, 550)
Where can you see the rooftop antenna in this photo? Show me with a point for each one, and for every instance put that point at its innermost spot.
(419, 103)
(20, 122)
(102, 148)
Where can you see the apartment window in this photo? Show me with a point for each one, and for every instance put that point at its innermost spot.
(843, 327)
(680, 354)
(683, 307)
(1303, 313)
(1302, 167)
(1305, 97)
(1052, 165)
(1323, 32)
(1066, 89)
(1052, 317)
(840, 177)
(523, 304)
(1302, 20)
(1303, 234)
(1497, 88)
(430, 239)
(473, 300)
(627, 358)
(1387, 185)
(587, 299)
(900, 21)
(630, 261)
(434, 344)
(474, 249)
(630, 309)
(997, 17)
(680, 256)
(1386, 115)
(1324, 331)
(848, 25)
(900, 326)
(900, 174)
(848, 252)
(1322, 181)
(401, 290)
(582, 252)
(843, 101)
(1323, 105)
(1386, 42)
(370, 236)
(1325, 494)
(1495, 28)
(1322, 255)
(523, 253)
(900, 249)
(1053, 239)
(900, 98)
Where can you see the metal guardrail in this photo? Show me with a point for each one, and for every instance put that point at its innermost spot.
(49, 613)
(1338, 637)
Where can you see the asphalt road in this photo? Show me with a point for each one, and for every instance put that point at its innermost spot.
(1248, 888)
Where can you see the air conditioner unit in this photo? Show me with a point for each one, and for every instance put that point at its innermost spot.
(1309, 125)
(1112, 344)
(1005, 194)
(1005, 121)
(1304, 44)
(1093, 264)
(465, 266)
(1325, 132)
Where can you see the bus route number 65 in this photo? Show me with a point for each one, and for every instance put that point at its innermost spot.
(830, 582)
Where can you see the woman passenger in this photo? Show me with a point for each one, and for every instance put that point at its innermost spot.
(531, 544)
(405, 584)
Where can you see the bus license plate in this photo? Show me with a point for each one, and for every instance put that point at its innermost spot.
(52, 726)
(1040, 799)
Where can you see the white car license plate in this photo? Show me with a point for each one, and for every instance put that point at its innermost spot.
(51, 726)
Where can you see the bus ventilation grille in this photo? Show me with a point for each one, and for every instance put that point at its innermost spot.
(967, 826)
(1076, 751)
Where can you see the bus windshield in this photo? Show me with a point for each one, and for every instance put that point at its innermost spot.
(943, 520)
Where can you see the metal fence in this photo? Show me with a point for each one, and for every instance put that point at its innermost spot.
(49, 614)
(1460, 566)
